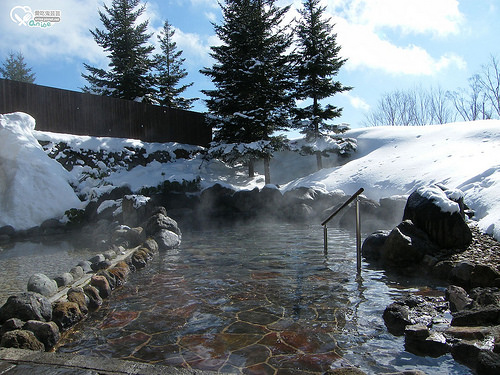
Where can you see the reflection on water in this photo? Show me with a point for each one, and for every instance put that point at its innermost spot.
(20, 260)
(258, 299)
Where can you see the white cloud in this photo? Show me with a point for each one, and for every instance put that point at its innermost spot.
(361, 24)
(440, 18)
(69, 39)
(365, 49)
(356, 101)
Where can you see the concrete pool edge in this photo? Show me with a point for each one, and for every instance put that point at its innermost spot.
(10, 358)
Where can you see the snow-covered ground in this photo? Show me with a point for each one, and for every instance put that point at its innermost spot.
(389, 161)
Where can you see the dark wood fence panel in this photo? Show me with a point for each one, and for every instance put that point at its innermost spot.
(72, 112)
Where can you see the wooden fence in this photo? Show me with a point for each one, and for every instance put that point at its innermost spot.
(72, 112)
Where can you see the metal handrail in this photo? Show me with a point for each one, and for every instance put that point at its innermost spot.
(355, 196)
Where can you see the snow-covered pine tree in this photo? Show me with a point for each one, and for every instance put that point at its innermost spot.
(15, 69)
(170, 71)
(126, 42)
(252, 77)
(317, 63)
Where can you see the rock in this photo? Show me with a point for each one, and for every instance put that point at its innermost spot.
(78, 296)
(461, 273)
(445, 226)
(247, 201)
(483, 275)
(134, 208)
(140, 258)
(39, 283)
(21, 339)
(11, 325)
(488, 363)
(86, 266)
(480, 316)
(64, 279)
(120, 274)
(66, 314)
(7, 230)
(420, 341)
(406, 245)
(397, 317)
(151, 245)
(466, 352)
(468, 333)
(51, 227)
(95, 300)
(77, 273)
(271, 199)
(457, 298)
(373, 245)
(46, 332)
(26, 306)
(102, 285)
(129, 237)
(214, 201)
(485, 296)
(109, 254)
(159, 222)
(167, 240)
(109, 276)
(101, 265)
(96, 259)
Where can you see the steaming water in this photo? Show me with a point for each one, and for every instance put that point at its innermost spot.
(53, 257)
(254, 299)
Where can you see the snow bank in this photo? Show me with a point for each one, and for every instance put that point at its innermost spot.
(397, 160)
(33, 187)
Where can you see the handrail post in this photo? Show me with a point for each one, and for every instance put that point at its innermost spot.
(358, 237)
(325, 239)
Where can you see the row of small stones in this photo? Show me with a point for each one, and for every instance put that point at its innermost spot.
(70, 308)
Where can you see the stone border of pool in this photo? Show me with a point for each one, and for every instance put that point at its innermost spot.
(55, 363)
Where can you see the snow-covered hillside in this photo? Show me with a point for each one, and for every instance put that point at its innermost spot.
(389, 161)
(397, 160)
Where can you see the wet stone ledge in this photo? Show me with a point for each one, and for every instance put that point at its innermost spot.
(34, 319)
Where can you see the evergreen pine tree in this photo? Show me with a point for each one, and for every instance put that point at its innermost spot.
(15, 69)
(129, 76)
(252, 77)
(170, 71)
(317, 63)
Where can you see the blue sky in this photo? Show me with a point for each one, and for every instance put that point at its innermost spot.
(390, 44)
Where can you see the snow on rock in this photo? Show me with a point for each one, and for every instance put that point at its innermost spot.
(440, 198)
(33, 187)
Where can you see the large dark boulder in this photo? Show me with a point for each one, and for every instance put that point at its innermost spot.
(373, 245)
(406, 245)
(431, 210)
(26, 306)
(216, 201)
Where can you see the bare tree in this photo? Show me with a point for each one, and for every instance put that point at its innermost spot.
(471, 103)
(489, 80)
(412, 107)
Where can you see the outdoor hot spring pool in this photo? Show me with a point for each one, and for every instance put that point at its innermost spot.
(255, 298)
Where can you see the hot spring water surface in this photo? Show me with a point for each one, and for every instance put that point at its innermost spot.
(259, 299)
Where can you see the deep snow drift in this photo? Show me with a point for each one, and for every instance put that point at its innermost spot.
(389, 161)
(397, 160)
(33, 187)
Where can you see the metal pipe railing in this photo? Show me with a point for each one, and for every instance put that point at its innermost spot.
(355, 196)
